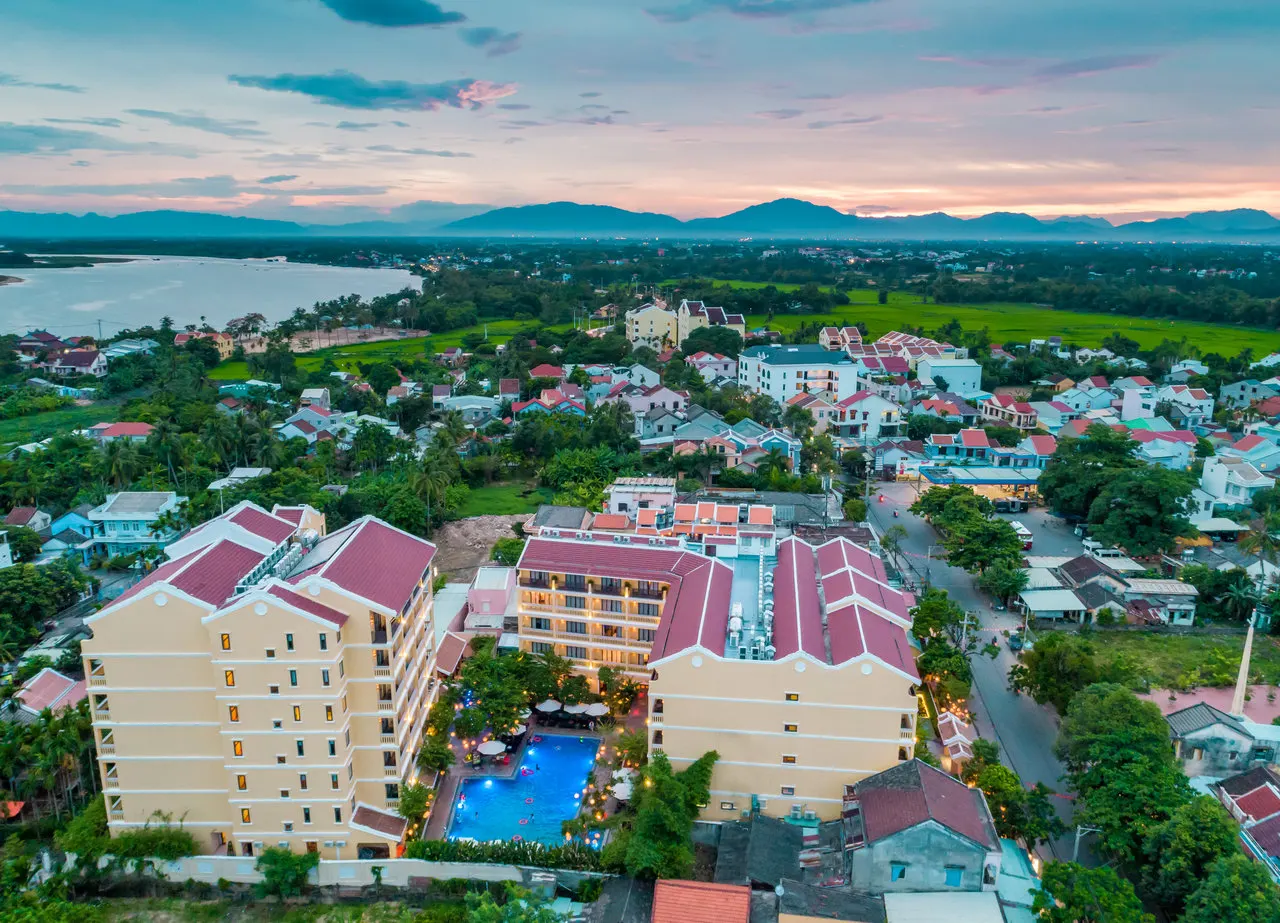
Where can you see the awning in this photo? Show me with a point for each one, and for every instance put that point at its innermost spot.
(988, 475)
(1051, 601)
(379, 823)
(1220, 524)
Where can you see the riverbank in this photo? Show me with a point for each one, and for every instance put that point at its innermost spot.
(10, 280)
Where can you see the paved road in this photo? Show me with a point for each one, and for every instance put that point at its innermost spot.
(1025, 731)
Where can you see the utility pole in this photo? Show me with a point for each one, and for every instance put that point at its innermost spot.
(99, 329)
(1081, 830)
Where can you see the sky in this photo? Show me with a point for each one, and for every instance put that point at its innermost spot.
(326, 111)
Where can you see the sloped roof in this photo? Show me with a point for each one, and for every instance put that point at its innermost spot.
(51, 689)
(700, 902)
(370, 559)
(1198, 717)
(914, 792)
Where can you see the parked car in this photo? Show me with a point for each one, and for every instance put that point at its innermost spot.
(1015, 642)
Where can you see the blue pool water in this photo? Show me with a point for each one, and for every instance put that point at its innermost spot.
(530, 805)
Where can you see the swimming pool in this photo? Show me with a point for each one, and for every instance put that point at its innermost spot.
(546, 790)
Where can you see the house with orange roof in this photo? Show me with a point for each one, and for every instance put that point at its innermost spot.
(824, 410)
(676, 901)
(1007, 410)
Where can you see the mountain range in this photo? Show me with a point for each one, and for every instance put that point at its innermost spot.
(782, 219)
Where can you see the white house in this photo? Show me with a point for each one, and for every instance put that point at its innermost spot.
(1086, 398)
(867, 417)
(782, 371)
(961, 376)
(1232, 482)
(713, 365)
(1257, 451)
(1191, 406)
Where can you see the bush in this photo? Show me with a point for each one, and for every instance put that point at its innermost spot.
(589, 890)
(570, 856)
(284, 872)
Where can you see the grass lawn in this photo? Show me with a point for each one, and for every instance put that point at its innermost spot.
(1021, 322)
(504, 500)
(38, 426)
(348, 358)
(185, 910)
(1169, 660)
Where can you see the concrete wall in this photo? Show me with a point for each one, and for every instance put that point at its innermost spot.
(926, 850)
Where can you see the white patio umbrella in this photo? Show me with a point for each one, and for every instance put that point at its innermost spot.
(575, 709)
(549, 705)
(622, 775)
(492, 748)
(622, 791)
(597, 710)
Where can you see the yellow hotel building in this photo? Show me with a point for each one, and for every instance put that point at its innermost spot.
(268, 685)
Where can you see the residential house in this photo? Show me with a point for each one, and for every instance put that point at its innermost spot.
(915, 828)
(956, 737)
(1262, 453)
(694, 315)
(508, 390)
(1162, 602)
(237, 476)
(223, 342)
(138, 346)
(948, 406)
(1041, 447)
(6, 553)
(899, 458)
(451, 357)
(1188, 406)
(77, 362)
(628, 495)
(1210, 742)
(829, 338)
(547, 370)
(229, 405)
(40, 341)
(967, 447)
(734, 443)
(652, 325)
(676, 901)
(656, 424)
(77, 520)
(1173, 449)
(1232, 481)
(785, 371)
(1137, 403)
(1088, 355)
(28, 517)
(1086, 397)
(960, 376)
(867, 417)
(1186, 369)
(1055, 383)
(126, 522)
(638, 375)
(1052, 604)
(1006, 410)
(121, 432)
(550, 401)
(476, 409)
(713, 365)
(1253, 799)
(314, 397)
(1132, 382)
(440, 394)
(825, 412)
(48, 690)
(1241, 394)
(642, 400)
(999, 352)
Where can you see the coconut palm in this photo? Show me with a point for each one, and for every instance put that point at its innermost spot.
(1263, 540)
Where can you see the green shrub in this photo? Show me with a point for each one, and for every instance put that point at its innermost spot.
(569, 856)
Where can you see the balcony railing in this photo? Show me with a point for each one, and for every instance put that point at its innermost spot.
(117, 814)
(381, 671)
(386, 738)
(97, 680)
(111, 782)
(391, 770)
(386, 705)
(106, 750)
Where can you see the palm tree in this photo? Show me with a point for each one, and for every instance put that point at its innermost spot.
(166, 442)
(121, 462)
(218, 438)
(1263, 540)
(1240, 599)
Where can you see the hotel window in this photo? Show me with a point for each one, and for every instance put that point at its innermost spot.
(575, 602)
(306, 815)
(324, 641)
(790, 728)
(293, 677)
(242, 783)
(573, 652)
(226, 642)
(333, 748)
(288, 642)
(328, 713)
(333, 781)
(271, 653)
(245, 816)
(276, 724)
(288, 826)
(392, 791)
(905, 724)
(541, 647)
(230, 677)
(902, 755)
(284, 793)
(793, 697)
(645, 634)
(611, 605)
(610, 585)
(342, 669)
(233, 713)
(789, 759)
(540, 624)
(302, 781)
(897, 871)
(657, 738)
(726, 806)
(955, 876)
(273, 690)
(788, 790)
(575, 582)
(280, 760)
(337, 815)
(237, 747)
(344, 704)
(324, 677)
(297, 713)
(649, 609)
(299, 745)
(575, 628)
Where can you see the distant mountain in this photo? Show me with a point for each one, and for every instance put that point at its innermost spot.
(782, 219)
(564, 219)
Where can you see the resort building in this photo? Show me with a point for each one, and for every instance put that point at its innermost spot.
(131, 521)
(268, 684)
(790, 660)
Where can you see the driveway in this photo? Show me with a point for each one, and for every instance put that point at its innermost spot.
(1025, 731)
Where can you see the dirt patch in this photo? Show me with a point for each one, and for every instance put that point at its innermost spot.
(464, 545)
(308, 341)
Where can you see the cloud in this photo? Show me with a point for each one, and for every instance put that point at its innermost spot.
(11, 80)
(98, 122)
(231, 128)
(45, 139)
(974, 62)
(591, 120)
(207, 187)
(514, 141)
(590, 95)
(873, 209)
(779, 114)
(351, 91)
(81, 163)
(495, 41)
(278, 178)
(520, 124)
(416, 151)
(832, 123)
(748, 9)
(394, 14)
(514, 107)
(1087, 67)
(356, 126)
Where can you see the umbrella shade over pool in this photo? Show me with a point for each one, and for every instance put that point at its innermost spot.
(549, 705)
(597, 710)
(575, 709)
(492, 747)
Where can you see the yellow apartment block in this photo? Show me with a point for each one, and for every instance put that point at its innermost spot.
(268, 685)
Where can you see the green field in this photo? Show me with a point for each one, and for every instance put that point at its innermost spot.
(347, 358)
(1021, 322)
(1169, 660)
(503, 500)
(38, 426)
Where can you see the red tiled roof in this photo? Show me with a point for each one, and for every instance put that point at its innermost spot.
(797, 617)
(1260, 803)
(376, 561)
(122, 430)
(913, 792)
(449, 653)
(1267, 835)
(309, 605)
(546, 370)
(700, 902)
(1246, 443)
(50, 689)
(646, 517)
(974, 439)
(1043, 445)
(615, 522)
(304, 426)
(441, 391)
(291, 513)
(272, 528)
(760, 515)
(213, 575)
(78, 358)
(508, 386)
(20, 515)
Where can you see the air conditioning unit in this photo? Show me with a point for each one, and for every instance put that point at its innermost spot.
(328, 844)
(283, 844)
(797, 812)
(810, 815)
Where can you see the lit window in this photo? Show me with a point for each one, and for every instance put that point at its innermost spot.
(297, 713)
(245, 817)
(790, 728)
(788, 790)
(328, 713)
(226, 642)
(230, 677)
(233, 712)
(726, 806)
(237, 747)
(793, 697)
(242, 783)
(789, 759)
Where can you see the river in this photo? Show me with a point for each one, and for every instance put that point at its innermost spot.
(131, 294)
